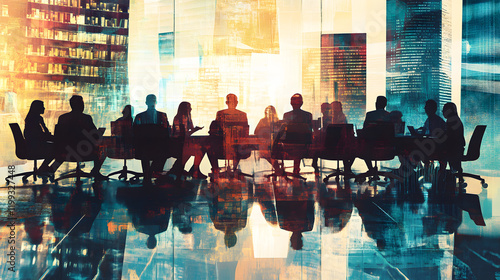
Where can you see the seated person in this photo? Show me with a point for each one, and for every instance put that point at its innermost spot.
(433, 121)
(455, 141)
(378, 115)
(182, 130)
(152, 117)
(80, 127)
(39, 140)
(326, 112)
(266, 129)
(126, 114)
(434, 125)
(224, 119)
(297, 116)
(338, 116)
(396, 117)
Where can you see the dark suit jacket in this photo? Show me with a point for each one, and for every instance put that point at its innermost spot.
(231, 116)
(377, 116)
(73, 128)
(144, 118)
(298, 116)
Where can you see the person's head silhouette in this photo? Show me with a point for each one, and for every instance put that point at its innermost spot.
(230, 239)
(337, 107)
(296, 240)
(76, 103)
(231, 101)
(326, 108)
(151, 101)
(271, 114)
(296, 101)
(151, 242)
(381, 102)
(430, 107)
(36, 108)
(450, 110)
(127, 111)
(184, 109)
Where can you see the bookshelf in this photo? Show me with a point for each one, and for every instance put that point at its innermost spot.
(52, 49)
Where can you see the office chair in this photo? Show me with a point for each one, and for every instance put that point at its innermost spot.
(377, 143)
(474, 151)
(340, 144)
(68, 141)
(292, 143)
(23, 153)
(122, 148)
(151, 142)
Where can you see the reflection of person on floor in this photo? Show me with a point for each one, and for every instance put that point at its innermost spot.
(266, 129)
(297, 117)
(229, 211)
(295, 214)
(182, 130)
(455, 141)
(39, 140)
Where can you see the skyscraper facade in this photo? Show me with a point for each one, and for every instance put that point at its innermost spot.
(418, 55)
(343, 72)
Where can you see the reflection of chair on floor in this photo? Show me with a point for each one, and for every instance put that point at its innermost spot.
(291, 143)
(69, 147)
(23, 153)
(340, 144)
(473, 151)
(377, 144)
(122, 147)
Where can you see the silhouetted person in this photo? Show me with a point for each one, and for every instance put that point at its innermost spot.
(396, 117)
(338, 116)
(326, 112)
(127, 114)
(153, 117)
(380, 114)
(266, 129)
(298, 117)
(182, 130)
(434, 125)
(433, 121)
(39, 140)
(80, 128)
(455, 141)
(229, 117)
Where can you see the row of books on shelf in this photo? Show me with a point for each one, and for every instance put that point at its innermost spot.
(64, 69)
(90, 4)
(79, 53)
(80, 37)
(59, 86)
(71, 18)
(67, 3)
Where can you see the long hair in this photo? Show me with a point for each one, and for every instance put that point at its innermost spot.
(273, 116)
(183, 110)
(36, 109)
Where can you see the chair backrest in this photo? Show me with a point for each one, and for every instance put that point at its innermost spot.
(473, 150)
(339, 134)
(21, 149)
(150, 141)
(378, 131)
(121, 128)
(297, 133)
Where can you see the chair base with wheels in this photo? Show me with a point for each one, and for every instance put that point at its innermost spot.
(78, 174)
(124, 172)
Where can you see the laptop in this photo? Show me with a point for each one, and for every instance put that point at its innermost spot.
(413, 131)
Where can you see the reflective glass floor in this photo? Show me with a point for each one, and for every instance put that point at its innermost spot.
(423, 227)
